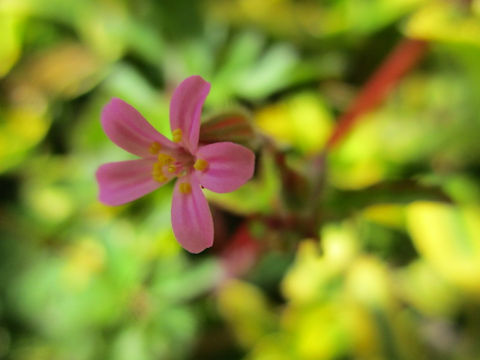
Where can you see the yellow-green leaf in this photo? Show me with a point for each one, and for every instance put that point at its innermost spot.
(448, 237)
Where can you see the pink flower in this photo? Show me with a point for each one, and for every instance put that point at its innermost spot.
(221, 167)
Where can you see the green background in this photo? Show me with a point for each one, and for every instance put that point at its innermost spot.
(388, 265)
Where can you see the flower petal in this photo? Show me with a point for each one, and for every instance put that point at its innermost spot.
(229, 166)
(127, 128)
(124, 181)
(191, 218)
(186, 109)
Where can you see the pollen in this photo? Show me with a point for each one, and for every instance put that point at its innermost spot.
(155, 148)
(157, 168)
(160, 178)
(185, 188)
(177, 135)
(157, 173)
(200, 165)
(172, 169)
(164, 159)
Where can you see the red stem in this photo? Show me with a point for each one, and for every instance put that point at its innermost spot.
(403, 58)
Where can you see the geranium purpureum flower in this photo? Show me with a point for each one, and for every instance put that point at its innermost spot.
(221, 167)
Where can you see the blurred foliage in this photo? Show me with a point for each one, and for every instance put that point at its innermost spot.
(383, 264)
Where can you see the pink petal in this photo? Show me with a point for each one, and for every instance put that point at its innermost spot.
(127, 128)
(124, 181)
(229, 166)
(191, 218)
(186, 109)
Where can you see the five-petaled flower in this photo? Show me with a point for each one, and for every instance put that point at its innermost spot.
(220, 167)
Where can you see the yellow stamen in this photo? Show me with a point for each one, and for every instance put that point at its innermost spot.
(172, 169)
(160, 178)
(200, 165)
(185, 188)
(164, 159)
(155, 148)
(157, 173)
(157, 167)
(177, 135)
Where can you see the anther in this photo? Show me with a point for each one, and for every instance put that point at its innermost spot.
(177, 135)
(171, 169)
(157, 173)
(164, 159)
(155, 148)
(160, 178)
(200, 165)
(157, 167)
(185, 188)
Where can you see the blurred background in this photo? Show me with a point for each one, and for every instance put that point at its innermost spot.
(367, 249)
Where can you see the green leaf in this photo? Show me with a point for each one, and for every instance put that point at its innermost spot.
(302, 121)
(256, 196)
(10, 42)
(448, 237)
(445, 21)
(234, 126)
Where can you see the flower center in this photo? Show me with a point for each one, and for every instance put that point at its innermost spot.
(168, 166)
(170, 163)
(175, 162)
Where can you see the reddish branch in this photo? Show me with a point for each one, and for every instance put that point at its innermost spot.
(403, 58)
